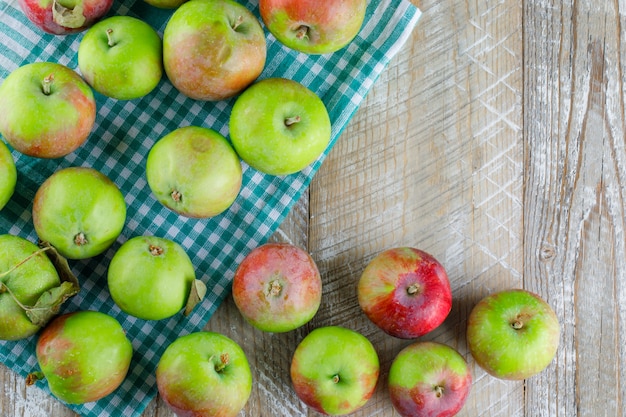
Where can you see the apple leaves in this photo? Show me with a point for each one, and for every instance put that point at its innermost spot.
(69, 18)
(197, 293)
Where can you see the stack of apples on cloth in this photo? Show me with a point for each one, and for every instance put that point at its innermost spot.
(213, 50)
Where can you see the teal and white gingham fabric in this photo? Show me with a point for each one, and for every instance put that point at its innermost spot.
(119, 143)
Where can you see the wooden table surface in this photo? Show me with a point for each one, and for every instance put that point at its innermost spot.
(495, 141)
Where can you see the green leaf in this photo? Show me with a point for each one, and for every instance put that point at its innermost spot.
(49, 303)
(197, 294)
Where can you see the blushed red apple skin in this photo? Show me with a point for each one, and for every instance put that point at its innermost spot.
(441, 366)
(204, 57)
(332, 23)
(271, 266)
(64, 118)
(383, 292)
(40, 13)
(75, 375)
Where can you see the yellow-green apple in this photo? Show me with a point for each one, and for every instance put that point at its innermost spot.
(204, 374)
(121, 57)
(428, 379)
(313, 26)
(278, 126)
(62, 101)
(25, 275)
(194, 171)
(213, 49)
(334, 370)
(150, 277)
(79, 211)
(405, 291)
(62, 17)
(277, 287)
(513, 334)
(165, 4)
(8, 175)
(84, 356)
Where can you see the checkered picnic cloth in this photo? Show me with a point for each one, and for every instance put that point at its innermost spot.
(119, 143)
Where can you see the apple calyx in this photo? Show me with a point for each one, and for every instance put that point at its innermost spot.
(438, 391)
(155, 250)
(274, 288)
(46, 84)
(302, 32)
(69, 18)
(80, 239)
(222, 363)
(176, 196)
(33, 377)
(290, 121)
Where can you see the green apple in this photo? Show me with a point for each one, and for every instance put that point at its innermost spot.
(121, 57)
(48, 110)
(194, 171)
(25, 275)
(213, 49)
(84, 356)
(279, 126)
(204, 374)
(513, 334)
(165, 4)
(8, 175)
(314, 26)
(334, 370)
(429, 379)
(150, 277)
(79, 211)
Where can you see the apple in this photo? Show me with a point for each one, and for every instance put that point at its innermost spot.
(334, 370)
(79, 211)
(204, 374)
(121, 57)
(165, 4)
(277, 287)
(278, 126)
(429, 379)
(25, 275)
(84, 356)
(513, 334)
(150, 277)
(62, 17)
(194, 171)
(8, 175)
(48, 110)
(405, 292)
(213, 49)
(313, 26)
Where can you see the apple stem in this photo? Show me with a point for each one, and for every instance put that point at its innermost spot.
(155, 250)
(47, 84)
(238, 22)
(290, 121)
(302, 32)
(517, 324)
(109, 37)
(413, 289)
(80, 239)
(336, 378)
(34, 377)
(439, 391)
(224, 361)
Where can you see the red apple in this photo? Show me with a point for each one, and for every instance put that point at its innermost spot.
(277, 287)
(314, 26)
(429, 379)
(62, 17)
(405, 292)
(213, 49)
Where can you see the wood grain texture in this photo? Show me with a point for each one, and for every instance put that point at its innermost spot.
(495, 141)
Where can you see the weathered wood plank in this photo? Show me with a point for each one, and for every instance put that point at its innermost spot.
(575, 210)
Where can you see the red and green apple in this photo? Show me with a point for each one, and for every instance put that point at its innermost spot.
(334, 370)
(429, 379)
(204, 374)
(213, 49)
(277, 287)
(62, 17)
(48, 110)
(194, 171)
(314, 26)
(513, 334)
(278, 126)
(8, 175)
(121, 57)
(405, 292)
